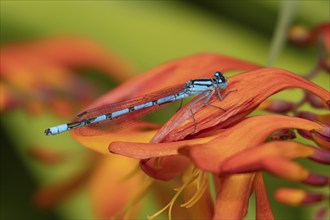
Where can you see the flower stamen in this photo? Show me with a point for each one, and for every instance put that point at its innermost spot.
(195, 175)
(199, 193)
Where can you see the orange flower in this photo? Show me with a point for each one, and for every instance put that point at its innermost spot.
(221, 137)
(40, 75)
(301, 35)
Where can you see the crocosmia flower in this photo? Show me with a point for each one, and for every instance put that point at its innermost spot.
(42, 74)
(227, 149)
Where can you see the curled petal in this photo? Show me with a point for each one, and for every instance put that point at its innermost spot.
(248, 90)
(296, 197)
(250, 132)
(251, 159)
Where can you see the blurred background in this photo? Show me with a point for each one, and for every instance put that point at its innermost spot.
(123, 38)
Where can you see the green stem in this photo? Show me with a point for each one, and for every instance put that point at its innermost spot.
(285, 17)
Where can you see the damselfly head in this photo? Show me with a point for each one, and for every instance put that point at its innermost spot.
(221, 80)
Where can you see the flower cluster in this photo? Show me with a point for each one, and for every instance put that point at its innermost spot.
(214, 161)
(229, 144)
(42, 74)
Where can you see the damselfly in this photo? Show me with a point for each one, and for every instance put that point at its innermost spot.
(112, 114)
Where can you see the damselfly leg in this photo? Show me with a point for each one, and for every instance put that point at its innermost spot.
(206, 95)
(181, 103)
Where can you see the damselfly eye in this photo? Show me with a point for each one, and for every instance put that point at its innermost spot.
(217, 74)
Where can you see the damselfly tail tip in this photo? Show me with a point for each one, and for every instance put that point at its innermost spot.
(47, 132)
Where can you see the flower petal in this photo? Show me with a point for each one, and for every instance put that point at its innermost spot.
(274, 157)
(150, 150)
(250, 132)
(322, 137)
(284, 168)
(263, 209)
(290, 170)
(172, 73)
(165, 168)
(321, 156)
(184, 69)
(110, 188)
(233, 197)
(249, 160)
(296, 197)
(250, 89)
(317, 180)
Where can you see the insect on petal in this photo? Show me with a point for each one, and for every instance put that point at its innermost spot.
(249, 90)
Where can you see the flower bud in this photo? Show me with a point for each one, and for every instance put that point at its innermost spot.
(299, 35)
(322, 138)
(280, 106)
